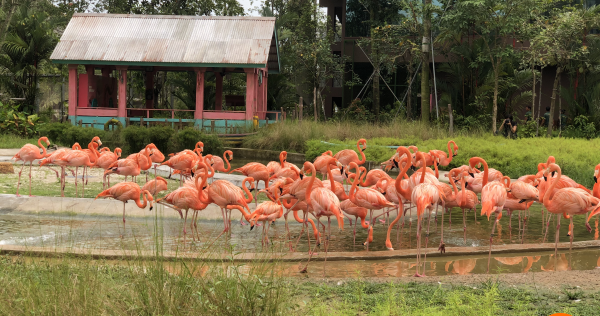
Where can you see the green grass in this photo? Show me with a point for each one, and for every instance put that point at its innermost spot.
(83, 286)
(13, 141)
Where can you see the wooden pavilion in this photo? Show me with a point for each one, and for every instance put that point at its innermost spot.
(113, 44)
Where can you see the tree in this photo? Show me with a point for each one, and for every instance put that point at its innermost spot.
(497, 24)
(28, 44)
(561, 41)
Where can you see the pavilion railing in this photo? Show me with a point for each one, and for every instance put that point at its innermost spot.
(164, 110)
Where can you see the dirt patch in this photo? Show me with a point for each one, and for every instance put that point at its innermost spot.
(6, 168)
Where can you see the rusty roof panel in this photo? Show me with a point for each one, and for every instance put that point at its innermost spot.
(169, 39)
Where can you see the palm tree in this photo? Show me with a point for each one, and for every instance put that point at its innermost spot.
(29, 42)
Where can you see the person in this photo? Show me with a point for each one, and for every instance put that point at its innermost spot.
(563, 119)
(547, 116)
(528, 115)
(510, 127)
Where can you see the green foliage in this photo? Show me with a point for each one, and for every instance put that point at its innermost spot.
(13, 121)
(527, 130)
(188, 137)
(581, 128)
(75, 134)
(161, 137)
(136, 137)
(54, 130)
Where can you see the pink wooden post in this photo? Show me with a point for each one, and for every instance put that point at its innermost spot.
(265, 86)
(150, 87)
(72, 92)
(250, 92)
(122, 111)
(259, 98)
(219, 92)
(198, 114)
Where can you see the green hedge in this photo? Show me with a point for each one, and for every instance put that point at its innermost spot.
(133, 138)
(513, 157)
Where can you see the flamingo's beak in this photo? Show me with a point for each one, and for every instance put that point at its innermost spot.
(472, 174)
(595, 179)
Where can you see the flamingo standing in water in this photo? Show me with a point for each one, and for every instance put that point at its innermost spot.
(370, 199)
(266, 212)
(29, 153)
(359, 213)
(402, 188)
(322, 202)
(465, 199)
(225, 194)
(124, 192)
(493, 197)
(571, 201)
(441, 156)
(424, 195)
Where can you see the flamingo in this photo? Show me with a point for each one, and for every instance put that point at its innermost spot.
(224, 194)
(571, 201)
(346, 156)
(130, 166)
(441, 156)
(266, 212)
(29, 153)
(370, 199)
(320, 163)
(145, 161)
(323, 202)
(55, 158)
(90, 153)
(465, 199)
(219, 164)
(124, 192)
(274, 166)
(424, 195)
(79, 158)
(404, 191)
(184, 160)
(358, 212)
(257, 171)
(106, 159)
(185, 198)
(156, 185)
(156, 157)
(493, 197)
(373, 176)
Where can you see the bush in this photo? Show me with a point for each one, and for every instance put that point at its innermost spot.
(161, 136)
(582, 127)
(136, 138)
(12, 121)
(54, 130)
(75, 134)
(188, 137)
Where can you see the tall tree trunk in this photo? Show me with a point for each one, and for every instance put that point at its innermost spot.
(425, 66)
(315, 103)
(537, 121)
(375, 61)
(553, 100)
(409, 96)
(495, 101)
(533, 95)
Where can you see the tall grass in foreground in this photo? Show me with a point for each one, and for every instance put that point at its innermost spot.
(292, 135)
(13, 141)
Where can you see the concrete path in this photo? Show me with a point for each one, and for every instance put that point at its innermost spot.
(460, 252)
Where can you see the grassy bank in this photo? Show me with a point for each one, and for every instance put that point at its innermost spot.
(72, 286)
(514, 157)
(13, 141)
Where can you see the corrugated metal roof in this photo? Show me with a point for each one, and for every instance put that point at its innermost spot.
(158, 39)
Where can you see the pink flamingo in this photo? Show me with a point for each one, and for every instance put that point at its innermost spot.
(370, 199)
(130, 167)
(320, 163)
(441, 156)
(156, 157)
(571, 201)
(184, 160)
(124, 192)
(424, 195)
(80, 158)
(266, 212)
(359, 213)
(29, 153)
(257, 171)
(219, 164)
(493, 197)
(156, 185)
(55, 158)
(465, 199)
(346, 156)
(106, 159)
(224, 194)
(403, 190)
(323, 203)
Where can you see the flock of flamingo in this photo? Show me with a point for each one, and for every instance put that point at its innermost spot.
(300, 190)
